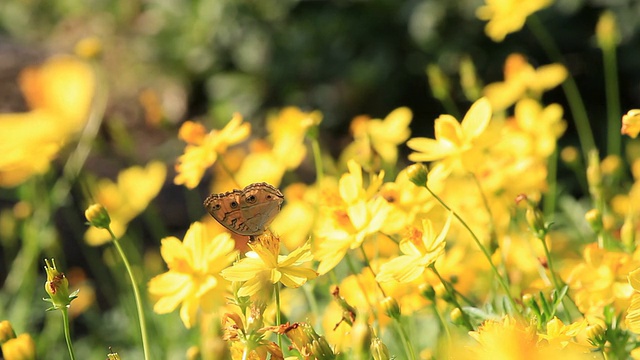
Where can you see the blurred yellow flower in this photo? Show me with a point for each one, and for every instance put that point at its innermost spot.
(295, 221)
(507, 16)
(347, 218)
(284, 149)
(193, 279)
(203, 148)
(631, 123)
(520, 79)
(542, 127)
(421, 248)
(508, 339)
(59, 94)
(125, 199)
(632, 319)
(264, 267)
(21, 347)
(601, 280)
(408, 203)
(453, 138)
(376, 139)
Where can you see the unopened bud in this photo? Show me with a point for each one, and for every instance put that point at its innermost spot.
(21, 348)
(6, 331)
(594, 218)
(57, 286)
(98, 216)
(391, 307)
(379, 350)
(418, 174)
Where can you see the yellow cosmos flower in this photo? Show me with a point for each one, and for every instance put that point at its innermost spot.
(203, 148)
(126, 198)
(542, 126)
(507, 16)
(284, 149)
(376, 138)
(408, 202)
(508, 339)
(193, 280)
(631, 123)
(633, 313)
(264, 267)
(521, 78)
(21, 347)
(295, 221)
(348, 217)
(59, 94)
(420, 248)
(453, 139)
(601, 280)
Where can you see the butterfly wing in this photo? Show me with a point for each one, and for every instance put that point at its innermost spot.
(225, 208)
(259, 204)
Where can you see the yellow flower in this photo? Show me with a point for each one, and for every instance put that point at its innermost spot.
(601, 280)
(193, 279)
(20, 348)
(295, 221)
(348, 217)
(540, 127)
(248, 334)
(560, 335)
(264, 267)
(59, 94)
(633, 313)
(508, 339)
(125, 199)
(453, 139)
(376, 138)
(421, 249)
(631, 123)
(202, 149)
(507, 16)
(284, 149)
(521, 78)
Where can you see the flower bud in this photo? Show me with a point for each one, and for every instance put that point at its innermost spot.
(379, 350)
(427, 291)
(607, 33)
(535, 220)
(594, 218)
(570, 156)
(456, 316)
(21, 348)
(391, 307)
(438, 82)
(98, 216)
(57, 286)
(418, 174)
(628, 234)
(6, 331)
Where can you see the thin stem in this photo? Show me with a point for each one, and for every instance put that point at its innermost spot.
(67, 333)
(501, 281)
(408, 348)
(278, 315)
(578, 110)
(454, 300)
(613, 99)
(136, 294)
(368, 264)
(442, 322)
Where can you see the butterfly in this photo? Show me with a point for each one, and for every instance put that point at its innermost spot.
(248, 211)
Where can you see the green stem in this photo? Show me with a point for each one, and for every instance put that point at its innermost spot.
(278, 315)
(136, 294)
(368, 264)
(613, 100)
(67, 333)
(408, 348)
(578, 110)
(442, 322)
(454, 300)
(501, 281)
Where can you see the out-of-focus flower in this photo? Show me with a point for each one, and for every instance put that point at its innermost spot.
(89, 47)
(507, 16)
(248, 335)
(607, 32)
(6, 331)
(521, 78)
(203, 148)
(348, 217)
(376, 139)
(632, 318)
(264, 267)
(452, 138)
(421, 248)
(97, 216)
(407, 202)
(508, 339)
(631, 123)
(59, 94)
(601, 280)
(20, 348)
(193, 279)
(538, 129)
(295, 221)
(129, 196)
(284, 149)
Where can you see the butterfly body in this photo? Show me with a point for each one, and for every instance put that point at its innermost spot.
(248, 211)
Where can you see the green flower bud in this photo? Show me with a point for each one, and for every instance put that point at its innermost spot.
(98, 216)
(391, 307)
(57, 286)
(418, 174)
(379, 350)
(6, 331)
